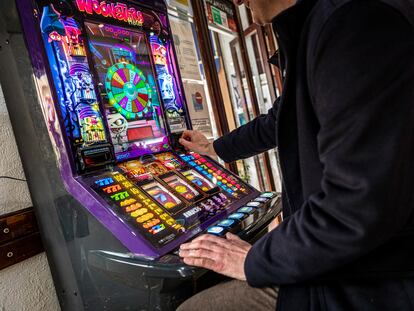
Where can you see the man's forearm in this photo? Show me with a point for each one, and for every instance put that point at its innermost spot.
(255, 137)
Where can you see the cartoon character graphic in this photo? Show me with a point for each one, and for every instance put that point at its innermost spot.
(51, 24)
(167, 91)
(156, 168)
(84, 87)
(160, 54)
(83, 83)
(54, 36)
(91, 123)
(75, 43)
(118, 127)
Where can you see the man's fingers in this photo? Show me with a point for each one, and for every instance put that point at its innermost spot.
(210, 247)
(187, 134)
(232, 237)
(235, 240)
(221, 255)
(206, 241)
(186, 143)
(201, 262)
(211, 238)
(200, 253)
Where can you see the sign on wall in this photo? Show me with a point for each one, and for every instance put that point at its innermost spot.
(221, 13)
(198, 108)
(185, 49)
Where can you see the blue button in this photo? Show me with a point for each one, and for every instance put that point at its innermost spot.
(268, 195)
(254, 204)
(246, 210)
(226, 223)
(262, 199)
(216, 230)
(237, 216)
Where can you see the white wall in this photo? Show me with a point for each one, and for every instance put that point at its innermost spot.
(27, 285)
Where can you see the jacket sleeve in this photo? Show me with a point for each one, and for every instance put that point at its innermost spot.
(362, 81)
(257, 136)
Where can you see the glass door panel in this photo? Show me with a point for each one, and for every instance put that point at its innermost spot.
(238, 105)
(265, 86)
(192, 72)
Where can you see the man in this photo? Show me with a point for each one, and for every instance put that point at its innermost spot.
(344, 127)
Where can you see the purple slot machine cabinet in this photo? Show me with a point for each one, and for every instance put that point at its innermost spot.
(96, 101)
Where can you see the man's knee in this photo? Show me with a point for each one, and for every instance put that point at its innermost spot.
(232, 295)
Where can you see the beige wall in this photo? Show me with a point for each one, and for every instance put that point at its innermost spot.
(27, 285)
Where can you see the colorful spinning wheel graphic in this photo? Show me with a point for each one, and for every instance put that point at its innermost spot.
(128, 91)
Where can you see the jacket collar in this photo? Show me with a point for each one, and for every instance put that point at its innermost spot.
(288, 26)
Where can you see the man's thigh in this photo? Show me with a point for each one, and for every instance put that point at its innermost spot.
(232, 295)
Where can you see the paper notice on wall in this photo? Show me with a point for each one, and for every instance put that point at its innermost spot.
(198, 108)
(185, 49)
(181, 4)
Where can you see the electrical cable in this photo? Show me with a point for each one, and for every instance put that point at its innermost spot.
(12, 178)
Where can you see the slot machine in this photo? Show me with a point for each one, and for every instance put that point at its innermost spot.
(97, 106)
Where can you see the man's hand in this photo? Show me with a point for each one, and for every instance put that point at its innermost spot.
(222, 255)
(197, 142)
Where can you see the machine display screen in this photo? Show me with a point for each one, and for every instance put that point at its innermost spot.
(181, 187)
(127, 85)
(198, 180)
(162, 195)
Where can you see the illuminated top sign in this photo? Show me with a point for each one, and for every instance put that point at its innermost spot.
(119, 11)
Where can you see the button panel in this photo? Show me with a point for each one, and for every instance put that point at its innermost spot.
(246, 215)
(139, 210)
(215, 174)
(164, 204)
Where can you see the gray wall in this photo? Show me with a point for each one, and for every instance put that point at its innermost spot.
(27, 285)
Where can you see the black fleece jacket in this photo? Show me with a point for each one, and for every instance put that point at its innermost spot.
(344, 127)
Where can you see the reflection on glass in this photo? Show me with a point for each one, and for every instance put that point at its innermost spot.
(198, 180)
(162, 195)
(229, 58)
(181, 187)
(192, 73)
